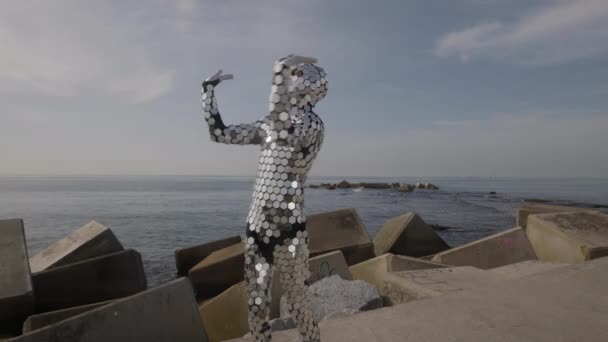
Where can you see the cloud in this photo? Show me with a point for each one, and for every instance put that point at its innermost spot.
(562, 32)
(62, 47)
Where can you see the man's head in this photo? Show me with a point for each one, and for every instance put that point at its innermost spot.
(298, 80)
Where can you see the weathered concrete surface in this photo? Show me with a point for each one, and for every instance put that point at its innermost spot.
(333, 294)
(39, 321)
(541, 308)
(217, 272)
(93, 280)
(16, 298)
(408, 235)
(569, 237)
(525, 268)
(528, 209)
(225, 316)
(504, 248)
(378, 272)
(339, 230)
(428, 283)
(186, 258)
(89, 241)
(321, 266)
(167, 313)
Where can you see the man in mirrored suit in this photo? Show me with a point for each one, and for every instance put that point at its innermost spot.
(290, 137)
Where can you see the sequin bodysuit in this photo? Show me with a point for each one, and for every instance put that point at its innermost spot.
(290, 138)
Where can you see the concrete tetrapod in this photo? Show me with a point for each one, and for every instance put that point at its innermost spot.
(379, 272)
(186, 258)
(16, 295)
(569, 237)
(563, 304)
(504, 248)
(339, 230)
(225, 316)
(89, 241)
(167, 313)
(408, 235)
(528, 209)
(93, 280)
(39, 321)
(217, 272)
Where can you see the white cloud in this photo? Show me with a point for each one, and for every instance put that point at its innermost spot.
(561, 32)
(61, 47)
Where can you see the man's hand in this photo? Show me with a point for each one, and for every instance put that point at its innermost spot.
(216, 79)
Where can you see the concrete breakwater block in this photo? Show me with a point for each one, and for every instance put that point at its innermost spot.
(569, 237)
(528, 209)
(525, 268)
(225, 316)
(16, 298)
(504, 248)
(379, 272)
(167, 313)
(186, 258)
(339, 230)
(327, 265)
(39, 321)
(217, 272)
(98, 279)
(419, 284)
(565, 304)
(408, 235)
(321, 266)
(333, 295)
(89, 241)
(390, 263)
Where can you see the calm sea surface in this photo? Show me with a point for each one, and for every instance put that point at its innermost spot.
(156, 215)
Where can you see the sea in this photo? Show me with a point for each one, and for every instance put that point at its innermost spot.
(156, 215)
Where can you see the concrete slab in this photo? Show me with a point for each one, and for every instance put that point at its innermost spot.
(217, 272)
(167, 313)
(321, 266)
(408, 235)
(569, 237)
(528, 209)
(39, 321)
(225, 316)
(89, 241)
(16, 298)
(504, 248)
(540, 308)
(428, 283)
(186, 258)
(93, 280)
(525, 268)
(339, 230)
(388, 262)
(378, 272)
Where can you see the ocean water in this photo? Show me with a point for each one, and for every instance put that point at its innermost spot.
(158, 214)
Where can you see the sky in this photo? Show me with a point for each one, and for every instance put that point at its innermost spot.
(482, 88)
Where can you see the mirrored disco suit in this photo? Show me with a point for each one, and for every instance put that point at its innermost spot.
(290, 138)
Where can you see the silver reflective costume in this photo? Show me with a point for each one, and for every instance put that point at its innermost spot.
(290, 138)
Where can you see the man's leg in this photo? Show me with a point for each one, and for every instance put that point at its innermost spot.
(258, 273)
(291, 259)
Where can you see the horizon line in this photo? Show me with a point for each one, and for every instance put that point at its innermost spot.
(344, 177)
